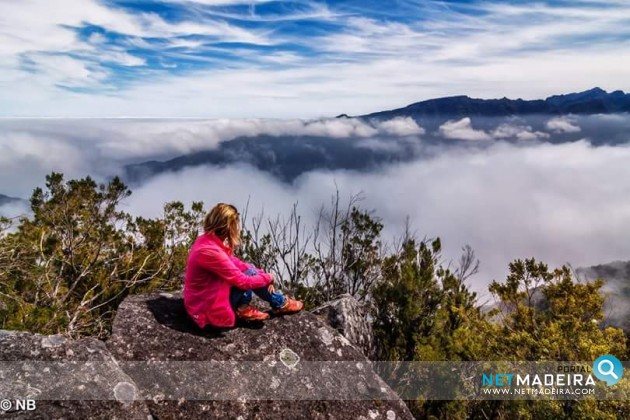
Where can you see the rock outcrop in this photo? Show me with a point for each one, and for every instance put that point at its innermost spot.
(346, 316)
(65, 378)
(159, 364)
(291, 367)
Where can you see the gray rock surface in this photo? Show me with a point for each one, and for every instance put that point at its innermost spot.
(345, 315)
(159, 364)
(287, 367)
(65, 378)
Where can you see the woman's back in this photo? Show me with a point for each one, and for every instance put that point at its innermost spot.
(202, 288)
(211, 271)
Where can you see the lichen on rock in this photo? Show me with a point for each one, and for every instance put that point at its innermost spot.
(159, 364)
(346, 316)
(294, 366)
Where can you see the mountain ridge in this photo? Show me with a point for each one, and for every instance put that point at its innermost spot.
(288, 156)
(592, 101)
(5, 199)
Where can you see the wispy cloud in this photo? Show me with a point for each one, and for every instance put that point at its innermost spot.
(518, 131)
(229, 58)
(512, 130)
(462, 130)
(563, 125)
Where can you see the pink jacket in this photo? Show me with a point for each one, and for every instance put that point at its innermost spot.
(211, 271)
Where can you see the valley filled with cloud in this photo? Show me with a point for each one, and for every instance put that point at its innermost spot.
(550, 187)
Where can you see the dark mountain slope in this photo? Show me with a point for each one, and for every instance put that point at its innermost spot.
(5, 199)
(286, 157)
(594, 101)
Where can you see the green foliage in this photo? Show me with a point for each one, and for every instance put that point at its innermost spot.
(547, 315)
(423, 311)
(343, 254)
(68, 266)
(168, 240)
(260, 253)
(406, 301)
(360, 252)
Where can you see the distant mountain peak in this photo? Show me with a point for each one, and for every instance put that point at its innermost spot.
(596, 89)
(592, 101)
(591, 93)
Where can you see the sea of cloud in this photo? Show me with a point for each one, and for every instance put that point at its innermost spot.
(30, 149)
(560, 203)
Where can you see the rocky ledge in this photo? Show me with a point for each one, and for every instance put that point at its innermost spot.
(345, 315)
(65, 379)
(159, 364)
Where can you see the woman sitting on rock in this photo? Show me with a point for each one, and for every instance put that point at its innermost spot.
(218, 286)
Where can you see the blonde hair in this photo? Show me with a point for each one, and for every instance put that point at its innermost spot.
(223, 221)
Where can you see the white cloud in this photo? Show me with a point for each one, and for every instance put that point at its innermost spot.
(43, 32)
(30, 149)
(492, 199)
(340, 127)
(367, 36)
(222, 2)
(26, 158)
(16, 209)
(462, 130)
(135, 138)
(506, 201)
(563, 125)
(312, 10)
(517, 131)
(367, 65)
(40, 149)
(67, 71)
(401, 126)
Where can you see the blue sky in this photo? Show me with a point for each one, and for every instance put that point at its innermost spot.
(240, 59)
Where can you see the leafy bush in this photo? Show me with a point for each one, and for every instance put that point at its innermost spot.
(68, 266)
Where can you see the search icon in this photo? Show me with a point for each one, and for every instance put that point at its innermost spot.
(608, 368)
(611, 368)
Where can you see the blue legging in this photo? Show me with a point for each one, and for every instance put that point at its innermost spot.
(240, 297)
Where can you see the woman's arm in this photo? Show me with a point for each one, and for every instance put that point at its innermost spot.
(225, 267)
(242, 265)
(249, 269)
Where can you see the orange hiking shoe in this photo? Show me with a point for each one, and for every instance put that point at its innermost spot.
(250, 313)
(291, 306)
